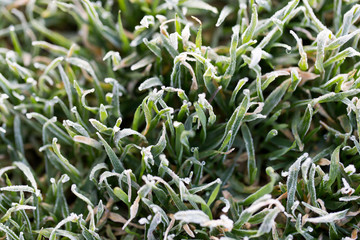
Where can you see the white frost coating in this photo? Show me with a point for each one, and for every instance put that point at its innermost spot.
(346, 190)
(294, 207)
(96, 168)
(80, 129)
(199, 5)
(143, 221)
(246, 91)
(350, 170)
(290, 237)
(323, 37)
(18, 188)
(142, 63)
(161, 18)
(146, 21)
(88, 141)
(127, 132)
(303, 61)
(263, 198)
(349, 198)
(147, 155)
(18, 207)
(163, 159)
(171, 237)
(26, 170)
(3, 97)
(81, 196)
(223, 221)
(292, 180)
(204, 103)
(133, 211)
(5, 169)
(173, 37)
(305, 168)
(264, 201)
(186, 180)
(201, 188)
(115, 57)
(111, 54)
(227, 205)
(10, 55)
(148, 83)
(29, 115)
(267, 202)
(128, 175)
(192, 216)
(50, 46)
(185, 34)
(18, 96)
(223, 14)
(72, 218)
(149, 180)
(6, 229)
(183, 190)
(155, 95)
(331, 217)
(199, 217)
(12, 28)
(116, 129)
(326, 177)
(81, 64)
(255, 57)
(65, 178)
(181, 94)
(176, 124)
(319, 211)
(31, 81)
(108, 174)
(92, 224)
(153, 225)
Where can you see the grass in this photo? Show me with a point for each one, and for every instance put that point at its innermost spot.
(179, 119)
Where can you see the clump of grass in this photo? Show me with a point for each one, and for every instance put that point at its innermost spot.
(179, 119)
